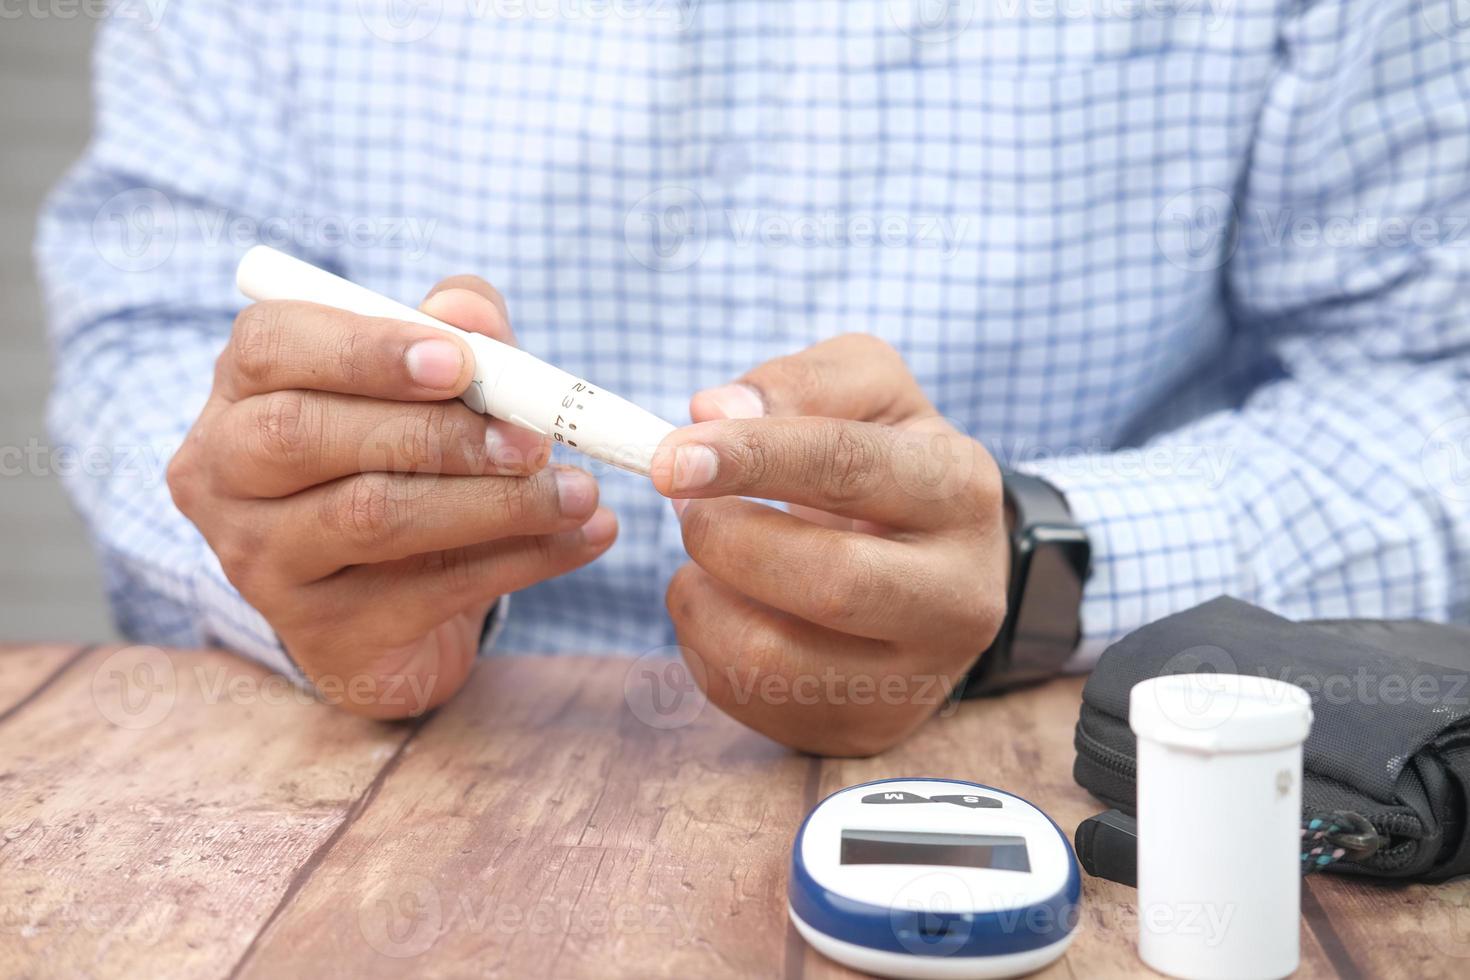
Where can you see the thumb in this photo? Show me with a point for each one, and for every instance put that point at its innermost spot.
(472, 304)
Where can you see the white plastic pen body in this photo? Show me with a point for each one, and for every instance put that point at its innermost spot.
(509, 383)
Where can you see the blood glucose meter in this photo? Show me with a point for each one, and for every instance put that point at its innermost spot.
(934, 878)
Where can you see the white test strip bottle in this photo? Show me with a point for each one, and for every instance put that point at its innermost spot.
(1219, 824)
(509, 383)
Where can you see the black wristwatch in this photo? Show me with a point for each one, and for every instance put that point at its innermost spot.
(1050, 561)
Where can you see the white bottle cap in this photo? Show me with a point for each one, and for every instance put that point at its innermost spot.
(1220, 712)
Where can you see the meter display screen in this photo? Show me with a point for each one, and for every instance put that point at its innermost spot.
(953, 850)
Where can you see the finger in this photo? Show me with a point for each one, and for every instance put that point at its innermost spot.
(380, 517)
(922, 478)
(853, 583)
(472, 304)
(399, 601)
(281, 345)
(827, 691)
(282, 442)
(854, 376)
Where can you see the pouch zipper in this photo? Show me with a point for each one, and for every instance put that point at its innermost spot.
(1107, 756)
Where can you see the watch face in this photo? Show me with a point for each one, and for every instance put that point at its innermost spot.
(1048, 617)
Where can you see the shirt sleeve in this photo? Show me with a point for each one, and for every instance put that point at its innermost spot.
(1342, 486)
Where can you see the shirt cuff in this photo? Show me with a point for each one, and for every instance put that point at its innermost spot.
(1160, 543)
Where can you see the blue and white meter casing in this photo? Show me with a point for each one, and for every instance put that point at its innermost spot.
(936, 878)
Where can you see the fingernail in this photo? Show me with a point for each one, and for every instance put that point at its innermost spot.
(435, 364)
(509, 446)
(680, 505)
(695, 467)
(576, 492)
(601, 529)
(738, 401)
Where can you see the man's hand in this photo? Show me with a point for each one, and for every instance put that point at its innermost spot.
(370, 519)
(838, 627)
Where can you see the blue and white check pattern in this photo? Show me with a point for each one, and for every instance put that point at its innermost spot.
(1204, 265)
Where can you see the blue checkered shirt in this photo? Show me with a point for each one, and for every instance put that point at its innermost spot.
(1202, 264)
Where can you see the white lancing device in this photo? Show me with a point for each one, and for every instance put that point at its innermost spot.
(508, 384)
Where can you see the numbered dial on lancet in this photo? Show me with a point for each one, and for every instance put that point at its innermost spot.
(574, 409)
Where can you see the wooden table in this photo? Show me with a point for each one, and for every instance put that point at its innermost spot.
(186, 814)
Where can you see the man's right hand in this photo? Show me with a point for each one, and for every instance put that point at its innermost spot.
(372, 520)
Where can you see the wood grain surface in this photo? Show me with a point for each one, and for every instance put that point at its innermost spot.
(170, 813)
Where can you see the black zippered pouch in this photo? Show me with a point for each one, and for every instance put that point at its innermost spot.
(1386, 768)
